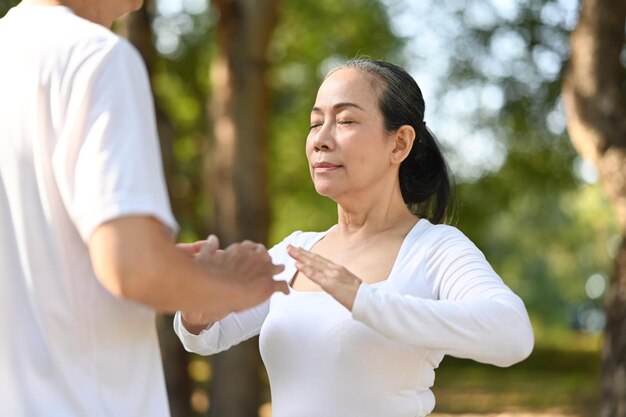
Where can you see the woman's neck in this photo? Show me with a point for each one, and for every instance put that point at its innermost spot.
(366, 217)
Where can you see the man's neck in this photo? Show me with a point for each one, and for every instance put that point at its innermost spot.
(90, 10)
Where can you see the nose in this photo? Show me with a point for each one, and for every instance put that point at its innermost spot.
(324, 138)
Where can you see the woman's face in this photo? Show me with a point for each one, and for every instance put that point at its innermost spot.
(347, 147)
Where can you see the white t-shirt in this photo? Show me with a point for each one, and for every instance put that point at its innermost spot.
(441, 298)
(78, 147)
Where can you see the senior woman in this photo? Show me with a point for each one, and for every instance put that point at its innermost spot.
(377, 300)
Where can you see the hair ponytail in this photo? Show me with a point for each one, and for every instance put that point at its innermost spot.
(425, 179)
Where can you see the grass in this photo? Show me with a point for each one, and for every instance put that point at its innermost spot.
(562, 380)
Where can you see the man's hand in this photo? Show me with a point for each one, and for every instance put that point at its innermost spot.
(134, 259)
(246, 265)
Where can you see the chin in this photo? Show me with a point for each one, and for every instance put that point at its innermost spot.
(325, 191)
(321, 190)
(136, 5)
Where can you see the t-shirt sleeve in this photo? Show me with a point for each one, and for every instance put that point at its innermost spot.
(107, 162)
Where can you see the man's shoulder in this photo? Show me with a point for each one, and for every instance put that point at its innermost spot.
(91, 37)
(56, 24)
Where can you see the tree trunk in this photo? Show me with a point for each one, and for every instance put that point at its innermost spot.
(136, 28)
(594, 94)
(614, 348)
(237, 172)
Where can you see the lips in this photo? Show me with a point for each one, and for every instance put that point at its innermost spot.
(324, 166)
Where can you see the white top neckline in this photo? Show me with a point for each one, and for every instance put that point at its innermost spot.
(409, 236)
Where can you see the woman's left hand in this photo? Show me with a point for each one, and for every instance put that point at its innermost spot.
(334, 279)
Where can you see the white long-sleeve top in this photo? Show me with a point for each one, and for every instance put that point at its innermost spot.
(441, 298)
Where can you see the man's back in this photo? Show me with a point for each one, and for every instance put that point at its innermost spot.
(79, 148)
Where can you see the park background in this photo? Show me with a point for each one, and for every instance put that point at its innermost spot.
(234, 81)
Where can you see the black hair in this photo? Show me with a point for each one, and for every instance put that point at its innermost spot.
(425, 180)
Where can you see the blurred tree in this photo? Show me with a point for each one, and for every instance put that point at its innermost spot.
(525, 197)
(595, 98)
(515, 209)
(237, 171)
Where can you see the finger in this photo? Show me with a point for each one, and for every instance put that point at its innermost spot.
(235, 255)
(244, 245)
(213, 243)
(255, 264)
(300, 254)
(317, 268)
(293, 251)
(277, 269)
(235, 249)
(253, 248)
(281, 286)
(309, 259)
(190, 248)
(249, 253)
(206, 249)
(311, 271)
(247, 246)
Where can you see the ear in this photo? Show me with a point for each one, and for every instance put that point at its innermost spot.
(403, 142)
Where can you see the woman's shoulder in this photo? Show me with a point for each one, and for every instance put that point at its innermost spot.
(439, 237)
(296, 238)
(427, 231)
(302, 238)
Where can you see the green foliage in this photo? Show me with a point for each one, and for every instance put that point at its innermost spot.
(479, 389)
(563, 377)
(180, 79)
(544, 229)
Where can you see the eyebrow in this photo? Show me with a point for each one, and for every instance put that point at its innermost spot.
(339, 106)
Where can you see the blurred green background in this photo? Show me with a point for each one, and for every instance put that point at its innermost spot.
(491, 72)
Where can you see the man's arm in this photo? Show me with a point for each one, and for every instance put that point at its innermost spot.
(133, 258)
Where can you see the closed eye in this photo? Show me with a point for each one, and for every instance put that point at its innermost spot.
(314, 125)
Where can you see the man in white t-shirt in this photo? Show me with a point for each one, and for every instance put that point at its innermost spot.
(86, 230)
